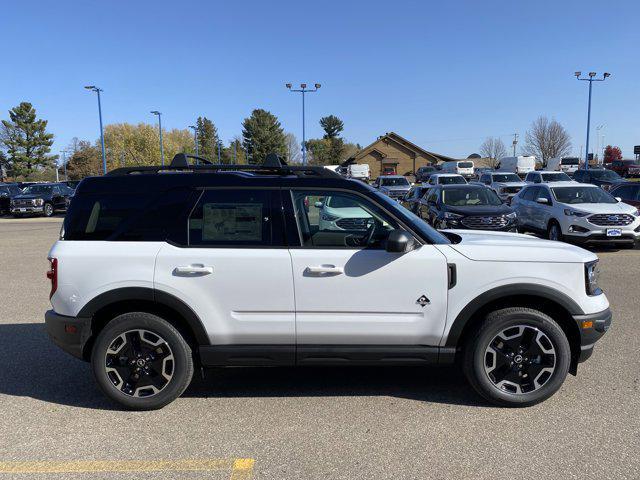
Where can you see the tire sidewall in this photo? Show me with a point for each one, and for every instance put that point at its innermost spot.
(556, 225)
(183, 362)
(49, 212)
(503, 319)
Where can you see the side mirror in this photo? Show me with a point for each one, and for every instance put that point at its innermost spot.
(318, 204)
(619, 199)
(542, 201)
(400, 241)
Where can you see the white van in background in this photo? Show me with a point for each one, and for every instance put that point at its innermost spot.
(568, 165)
(359, 171)
(520, 165)
(461, 167)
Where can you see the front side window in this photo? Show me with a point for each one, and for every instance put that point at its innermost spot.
(333, 219)
(232, 218)
(530, 193)
(575, 195)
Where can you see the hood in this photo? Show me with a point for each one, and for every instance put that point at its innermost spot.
(510, 184)
(396, 188)
(28, 196)
(347, 212)
(590, 208)
(480, 210)
(515, 247)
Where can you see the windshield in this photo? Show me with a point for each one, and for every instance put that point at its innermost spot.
(38, 189)
(570, 161)
(451, 180)
(425, 229)
(467, 197)
(465, 164)
(604, 175)
(505, 177)
(341, 202)
(575, 195)
(395, 182)
(4, 190)
(555, 177)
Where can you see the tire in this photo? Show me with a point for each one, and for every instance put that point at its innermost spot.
(47, 210)
(169, 371)
(554, 231)
(538, 373)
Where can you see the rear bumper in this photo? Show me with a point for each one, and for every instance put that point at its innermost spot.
(68, 333)
(592, 327)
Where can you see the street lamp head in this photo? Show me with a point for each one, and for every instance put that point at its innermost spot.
(592, 74)
(317, 85)
(577, 74)
(288, 85)
(606, 74)
(155, 112)
(90, 87)
(303, 85)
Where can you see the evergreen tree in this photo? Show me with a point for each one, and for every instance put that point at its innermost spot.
(208, 139)
(332, 126)
(262, 134)
(26, 140)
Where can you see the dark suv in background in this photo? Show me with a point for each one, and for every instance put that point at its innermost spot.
(7, 192)
(423, 173)
(41, 199)
(598, 176)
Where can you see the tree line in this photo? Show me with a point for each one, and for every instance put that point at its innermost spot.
(25, 145)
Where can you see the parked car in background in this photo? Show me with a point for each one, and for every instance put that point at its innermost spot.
(423, 173)
(389, 170)
(394, 186)
(628, 192)
(568, 165)
(461, 167)
(546, 177)
(624, 168)
(479, 171)
(411, 200)
(42, 199)
(505, 184)
(358, 172)
(342, 213)
(577, 213)
(471, 206)
(7, 192)
(598, 176)
(520, 165)
(446, 179)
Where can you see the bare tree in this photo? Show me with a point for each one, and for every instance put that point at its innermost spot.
(494, 150)
(293, 148)
(547, 139)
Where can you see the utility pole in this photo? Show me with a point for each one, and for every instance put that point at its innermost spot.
(515, 143)
(591, 79)
(159, 114)
(93, 88)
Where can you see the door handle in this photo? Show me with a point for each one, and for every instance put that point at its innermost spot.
(325, 269)
(193, 269)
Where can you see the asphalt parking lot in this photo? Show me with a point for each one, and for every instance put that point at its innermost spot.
(367, 423)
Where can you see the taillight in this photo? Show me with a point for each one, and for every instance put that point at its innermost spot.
(52, 275)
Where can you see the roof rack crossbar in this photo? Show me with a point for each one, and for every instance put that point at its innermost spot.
(312, 171)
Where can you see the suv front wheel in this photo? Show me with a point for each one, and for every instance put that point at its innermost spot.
(141, 361)
(518, 358)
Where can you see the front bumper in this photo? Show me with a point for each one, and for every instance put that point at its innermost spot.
(69, 333)
(27, 209)
(597, 234)
(592, 327)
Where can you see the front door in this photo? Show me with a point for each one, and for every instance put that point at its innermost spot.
(234, 271)
(348, 289)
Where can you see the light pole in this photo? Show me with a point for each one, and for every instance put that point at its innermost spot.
(195, 137)
(64, 163)
(590, 79)
(303, 89)
(93, 88)
(159, 114)
(599, 136)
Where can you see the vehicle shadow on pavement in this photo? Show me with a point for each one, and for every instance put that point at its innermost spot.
(34, 367)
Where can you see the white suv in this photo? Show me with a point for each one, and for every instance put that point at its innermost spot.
(577, 213)
(160, 270)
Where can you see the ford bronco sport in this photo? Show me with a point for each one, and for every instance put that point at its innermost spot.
(160, 270)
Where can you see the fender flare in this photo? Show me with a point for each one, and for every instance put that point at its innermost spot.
(149, 295)
(521, 289)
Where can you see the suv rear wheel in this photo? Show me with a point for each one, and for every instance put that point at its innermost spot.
(518, 358)
(141, 361)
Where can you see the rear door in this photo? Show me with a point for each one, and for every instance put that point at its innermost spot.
(349, 290)
(233, 268)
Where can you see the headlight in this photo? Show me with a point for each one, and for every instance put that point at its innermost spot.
(329, 218)
(591, 274)
(451, 216)
(511, 216)
(574, 213)
(636, 213)
(39, 201)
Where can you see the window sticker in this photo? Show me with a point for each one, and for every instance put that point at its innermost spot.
(232, 221)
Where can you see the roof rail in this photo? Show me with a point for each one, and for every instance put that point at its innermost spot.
(180, 163)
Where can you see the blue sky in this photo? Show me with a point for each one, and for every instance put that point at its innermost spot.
(443, 74)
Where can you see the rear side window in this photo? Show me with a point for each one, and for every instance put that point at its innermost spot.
(235, 218)
(530, 193)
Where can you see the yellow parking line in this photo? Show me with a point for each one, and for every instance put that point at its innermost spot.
(241, 468)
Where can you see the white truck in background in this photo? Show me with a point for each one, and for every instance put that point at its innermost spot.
(359, 171)
(520, 165)
(568, 165)
(460, 167)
